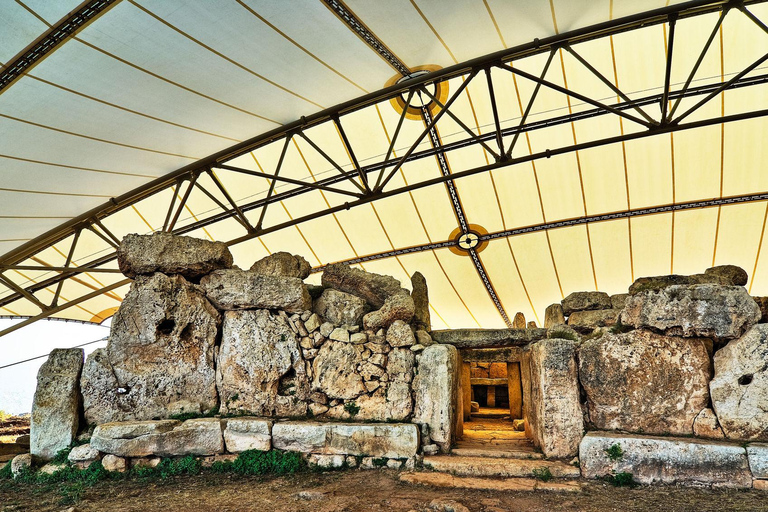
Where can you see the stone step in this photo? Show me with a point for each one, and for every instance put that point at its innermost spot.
(498, 467)
(488, 484)
(502, 453)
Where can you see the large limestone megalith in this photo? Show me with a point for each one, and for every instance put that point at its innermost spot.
(56, 407)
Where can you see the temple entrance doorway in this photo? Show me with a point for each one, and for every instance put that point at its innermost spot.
(491, 392)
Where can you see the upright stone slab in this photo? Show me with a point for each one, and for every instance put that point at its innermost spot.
(466, 391)
(171, 254)
(334, 371)
(239, 289)
(515, 391)
(666, 460)
(260, 369)
(553, 315)
(159, 358)
(644, 382)
(740, 386)
(420, 296)
(436, 390)
(702, 310)
(56, 406)
(554, 412)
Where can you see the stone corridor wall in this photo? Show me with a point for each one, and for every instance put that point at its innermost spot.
(196, 336)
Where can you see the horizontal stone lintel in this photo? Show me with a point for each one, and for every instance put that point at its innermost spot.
(489, 338)
(492, 355)
(488, 382)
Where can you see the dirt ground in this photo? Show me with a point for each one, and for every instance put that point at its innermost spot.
(363, 491)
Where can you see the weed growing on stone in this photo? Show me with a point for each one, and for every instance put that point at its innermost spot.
(563, 334)
(619, 328)
(184, 416)
(622, 479)
(5, 472)
(543, 474)
(379, 462)
(352, 408)
(615, 452)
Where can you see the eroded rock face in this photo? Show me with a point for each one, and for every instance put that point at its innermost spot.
(705, 310)
(239, 289)
(171, 254)
(706, 425)
(420, 296)
(282, 264)
(644, 382)
(740, 386)
(334, 371)
(667, 460)
(260, 369)
(374, 288)
(56, 406)
(167, 438)
(159, 359)
(726, 275)
(554, 412)
(436, 393)
(396, 307)
(553, 315)
(340, 308)
(585, 301)
(586, 321)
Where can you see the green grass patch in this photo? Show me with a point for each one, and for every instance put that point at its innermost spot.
(352, 408)
(619, 328)
(184, 416)
(615, 452)
(5, 472)
(562, 334)
(622, 479)
(543, 474)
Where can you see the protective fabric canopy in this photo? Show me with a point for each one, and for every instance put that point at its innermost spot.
(152, 86)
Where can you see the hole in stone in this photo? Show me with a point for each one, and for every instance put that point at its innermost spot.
(287, 385)
(186, 333)
(745, 379)
(166, 327)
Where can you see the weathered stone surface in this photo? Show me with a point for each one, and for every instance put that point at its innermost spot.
(585, 301)
(531, 325)
(436, 392)
(706, 425)
(705, 310)
(762, 303)
(113, 463)
(239, 289)
(586, 321)
(400, 365)
(644, 382)
(420, 296)
(167, 438)
(400, 334)
(83, 453)
(159, 359)
(391, 440)
(519, 321)
(327, 461)
(374, 288)
(488, 338)
(619, 300)
(757, 453)
(247, 433)
(740, 386)
(553, 408)
(339, 334)
(396, 307)
(656, 283)
(282, 264)
(20, 463)
(666, 460)
(56, 406)
(736, 276)
(51, 468)
(340, 308)
(260, 369)
(171, 254)
(334, 371)
(553, 315)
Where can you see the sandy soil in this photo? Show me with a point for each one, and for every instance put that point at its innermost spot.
(363, 491)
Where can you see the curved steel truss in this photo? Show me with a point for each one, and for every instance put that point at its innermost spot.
(669, 109)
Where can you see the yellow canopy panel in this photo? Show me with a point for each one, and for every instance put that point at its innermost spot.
(511, 151)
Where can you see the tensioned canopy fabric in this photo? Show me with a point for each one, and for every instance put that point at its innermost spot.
(513, 151)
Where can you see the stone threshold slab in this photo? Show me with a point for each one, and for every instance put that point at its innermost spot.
(498, 467)
(488, 484)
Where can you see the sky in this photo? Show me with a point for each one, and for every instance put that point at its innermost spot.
(17, 383)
